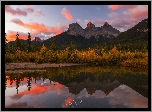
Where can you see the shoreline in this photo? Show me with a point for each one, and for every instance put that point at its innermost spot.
(10, 66)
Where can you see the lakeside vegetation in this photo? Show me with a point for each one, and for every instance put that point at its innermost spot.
(98, 55)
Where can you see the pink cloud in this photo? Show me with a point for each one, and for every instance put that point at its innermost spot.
(139, 12)
(67, 14)
(39, 13)
(29, 10)
(115, 7)
(17, 21)
(61, 26)
(37, 28)
(11, 35)
(128, 18)
(113, 15)
(17, 11)
(98, 21)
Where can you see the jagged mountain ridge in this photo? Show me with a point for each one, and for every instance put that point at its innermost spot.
(106, 30)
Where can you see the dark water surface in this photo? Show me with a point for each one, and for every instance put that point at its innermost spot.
(78, 87)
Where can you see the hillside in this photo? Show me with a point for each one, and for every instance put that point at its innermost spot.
(134, 38)
(76, 42)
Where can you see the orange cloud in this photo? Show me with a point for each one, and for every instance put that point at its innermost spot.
(36, 26)
(38, 90)
(41, 28)
(67, 14)
(115, 7)
(17, 11)
(67, 102)
(11, 35)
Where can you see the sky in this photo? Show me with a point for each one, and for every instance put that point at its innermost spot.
(46, 21)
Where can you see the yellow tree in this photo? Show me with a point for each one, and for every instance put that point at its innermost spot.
(43, 49)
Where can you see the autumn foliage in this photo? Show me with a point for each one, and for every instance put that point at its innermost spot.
(92, 55)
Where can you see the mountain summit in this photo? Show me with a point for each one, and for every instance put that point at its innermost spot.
(106, 30)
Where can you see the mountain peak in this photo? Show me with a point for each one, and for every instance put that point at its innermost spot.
(106, 24)
(75, 29)
(106, 30)
(90, 25)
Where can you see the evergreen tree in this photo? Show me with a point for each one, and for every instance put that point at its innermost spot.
(18, 42)
(53, 44)
(29, 43)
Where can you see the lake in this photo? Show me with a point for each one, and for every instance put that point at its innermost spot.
(78, 87)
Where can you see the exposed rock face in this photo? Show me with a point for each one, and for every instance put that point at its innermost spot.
(75, 29)
(91, 30)
(109, 31)
(106, 30)
(38, 39)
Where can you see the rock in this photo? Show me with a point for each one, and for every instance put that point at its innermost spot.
(106, 30)
(75, 29)
(38, 39)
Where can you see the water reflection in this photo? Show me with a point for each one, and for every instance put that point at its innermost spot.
(78, 87)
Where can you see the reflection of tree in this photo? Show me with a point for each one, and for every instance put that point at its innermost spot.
(93, 78)
(29, 83)
(11, 80)
(17, 83)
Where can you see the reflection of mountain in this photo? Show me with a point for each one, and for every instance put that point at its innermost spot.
(91, 86)
(76, 78)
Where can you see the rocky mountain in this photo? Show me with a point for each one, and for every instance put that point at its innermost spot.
(75, 29)
(106, 30)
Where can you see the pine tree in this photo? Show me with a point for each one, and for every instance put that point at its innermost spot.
(18, 43)
(53, 44)
(29, 43)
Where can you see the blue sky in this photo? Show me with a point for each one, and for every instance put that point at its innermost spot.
(45, 21)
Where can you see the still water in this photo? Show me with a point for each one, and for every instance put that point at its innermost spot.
(78, 87)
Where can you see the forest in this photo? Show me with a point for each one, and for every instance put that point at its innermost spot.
(101, 54)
